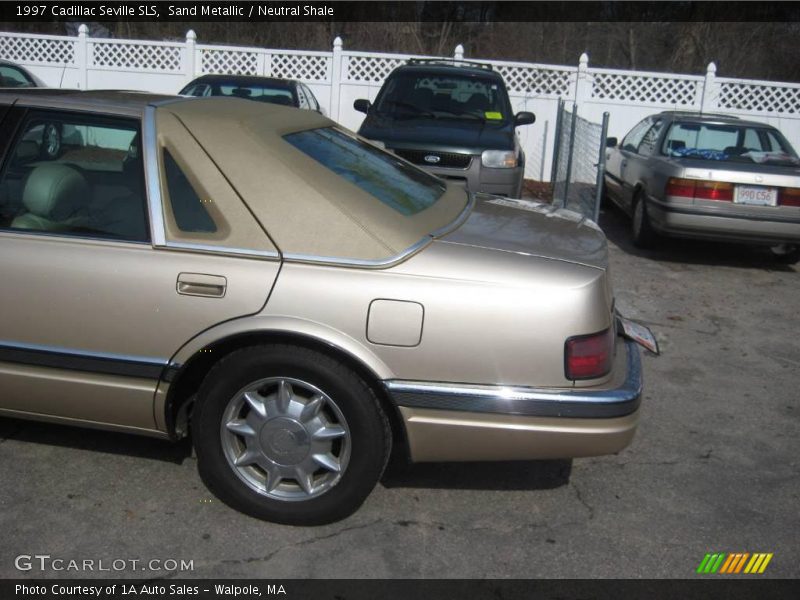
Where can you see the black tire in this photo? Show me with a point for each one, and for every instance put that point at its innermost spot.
(786, 254)
(369, 436)
(644, 236)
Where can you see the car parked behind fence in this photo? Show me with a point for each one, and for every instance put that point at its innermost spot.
(13, 75)
(273, 90)
(709, 177)
(452, 118)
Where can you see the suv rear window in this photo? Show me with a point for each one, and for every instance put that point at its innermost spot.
(409, 95)
(397, 184)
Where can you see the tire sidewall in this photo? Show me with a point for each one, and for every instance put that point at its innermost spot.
(642, 232)
(368, 451)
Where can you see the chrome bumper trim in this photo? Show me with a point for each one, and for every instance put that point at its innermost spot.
(564, 402)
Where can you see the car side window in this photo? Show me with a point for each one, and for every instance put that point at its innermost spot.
(13, 77)
(187, 206)
(634, 138)
(649, 142)
(75, 175)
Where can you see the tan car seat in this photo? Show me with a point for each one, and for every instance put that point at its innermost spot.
(56, 197)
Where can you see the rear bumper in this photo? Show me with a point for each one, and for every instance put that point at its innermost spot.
(457, 422)
(732, 223)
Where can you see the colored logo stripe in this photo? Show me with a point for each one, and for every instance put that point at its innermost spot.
(758, 563)
(722, 562)
(734, 563)
(711, 563)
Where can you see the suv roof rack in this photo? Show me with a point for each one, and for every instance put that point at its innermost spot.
(449, 62)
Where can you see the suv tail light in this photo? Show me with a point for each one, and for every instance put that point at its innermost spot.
(704, 190)
(789, 197)
(589, 356)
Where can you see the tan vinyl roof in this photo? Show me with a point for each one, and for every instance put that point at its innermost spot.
(306, 208)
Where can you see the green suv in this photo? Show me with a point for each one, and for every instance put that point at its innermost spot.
(454, 119)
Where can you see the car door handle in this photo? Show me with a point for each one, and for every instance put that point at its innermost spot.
(199, 284)
(624, 163)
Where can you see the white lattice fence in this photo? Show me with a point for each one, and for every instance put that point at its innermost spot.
(537, 80)
(363, 68)
(759, 97)
(302, 66)
(38, 49)
(133, 56)
(656, 89)
(229, 61)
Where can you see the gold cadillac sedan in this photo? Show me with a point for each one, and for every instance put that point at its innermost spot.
(294, 297)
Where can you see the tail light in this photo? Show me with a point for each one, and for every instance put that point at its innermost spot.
(589, 356)
(703, 190)
(789, 197)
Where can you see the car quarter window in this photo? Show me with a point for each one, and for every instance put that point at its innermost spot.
(302, 101)
(187, 206)
(776, 144)
(633, 139)
(198, 90)
(312, 100)
(75, 174)
(649, 142)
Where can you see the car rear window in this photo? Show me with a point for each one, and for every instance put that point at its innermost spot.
(399, 185)
(727, 142)
(274, 94)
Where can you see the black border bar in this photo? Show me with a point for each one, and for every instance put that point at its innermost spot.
(464, 11)
(708, 588)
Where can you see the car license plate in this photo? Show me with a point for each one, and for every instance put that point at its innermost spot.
(756, 195)
(639, 334)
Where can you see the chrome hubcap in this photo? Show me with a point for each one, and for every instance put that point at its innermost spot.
(285, 438)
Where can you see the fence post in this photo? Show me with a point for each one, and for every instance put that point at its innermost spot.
(557, 145)
(191, 41)
(601, 168)
(583, 85)
(82, 56)
(459, 53)
(709, 89)
(336, 77)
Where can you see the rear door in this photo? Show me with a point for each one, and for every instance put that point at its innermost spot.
(107, 271)
(618, 160)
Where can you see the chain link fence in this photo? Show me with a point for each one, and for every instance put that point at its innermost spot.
(579, 161)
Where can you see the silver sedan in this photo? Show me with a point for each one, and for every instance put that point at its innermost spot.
(709, 177)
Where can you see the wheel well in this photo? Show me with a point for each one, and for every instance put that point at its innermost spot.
(188, 380)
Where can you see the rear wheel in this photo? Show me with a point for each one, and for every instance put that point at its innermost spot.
(786, 254)
(289, 435)
(644, 236)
